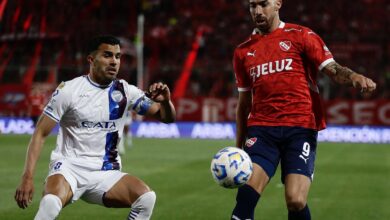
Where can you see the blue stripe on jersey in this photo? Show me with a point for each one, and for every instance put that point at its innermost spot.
(110, 161)
(142, 105)
(117, 100)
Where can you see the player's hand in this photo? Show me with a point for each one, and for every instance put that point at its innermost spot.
(159, 92)
(24, 193)
(363, 83)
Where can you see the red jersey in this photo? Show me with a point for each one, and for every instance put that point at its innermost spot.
(280, 69)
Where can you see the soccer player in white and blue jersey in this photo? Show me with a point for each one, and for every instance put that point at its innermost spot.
(91, 112)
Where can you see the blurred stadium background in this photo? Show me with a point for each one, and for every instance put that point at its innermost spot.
(189, 46)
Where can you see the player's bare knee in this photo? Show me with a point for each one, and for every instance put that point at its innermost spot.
(135, 195)
(296, 203)
(143, 191)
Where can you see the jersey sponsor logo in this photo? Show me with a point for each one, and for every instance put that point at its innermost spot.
(116, 95)
(285, 45)
(270, 67)
(250, 142)
(251, 53)
(105, 125)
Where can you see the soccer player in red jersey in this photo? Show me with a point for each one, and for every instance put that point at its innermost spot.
(279, 111)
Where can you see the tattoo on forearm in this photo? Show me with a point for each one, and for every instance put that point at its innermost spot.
(338, 73)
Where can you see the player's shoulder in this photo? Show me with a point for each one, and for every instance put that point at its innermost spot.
(247, 43)
(65, 85)
(131, 89)
(243, 47)
(125, 84)
(73, 83)
(69, 87)
(244, 44)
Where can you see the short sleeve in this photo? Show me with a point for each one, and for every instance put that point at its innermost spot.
(316, 50)
(138, 101)
(243, 82)
(58, 104)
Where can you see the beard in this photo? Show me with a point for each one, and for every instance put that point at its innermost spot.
(264, 27)
(264, 24)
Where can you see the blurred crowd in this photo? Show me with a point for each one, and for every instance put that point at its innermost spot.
(48, 37)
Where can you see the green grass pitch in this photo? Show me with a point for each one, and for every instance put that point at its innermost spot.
(352, 181)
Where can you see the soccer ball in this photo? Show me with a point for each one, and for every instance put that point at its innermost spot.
(231, 167)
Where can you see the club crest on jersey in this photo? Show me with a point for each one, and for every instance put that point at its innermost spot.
(116, 95)
(250, 142)
(285, 45)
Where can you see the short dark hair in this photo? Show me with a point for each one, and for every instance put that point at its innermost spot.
(103, 39)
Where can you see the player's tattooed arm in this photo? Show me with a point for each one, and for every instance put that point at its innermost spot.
(344, 75)
(338, 73)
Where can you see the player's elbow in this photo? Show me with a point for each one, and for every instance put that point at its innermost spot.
(170, 116)
(167, 113)
(168, 120)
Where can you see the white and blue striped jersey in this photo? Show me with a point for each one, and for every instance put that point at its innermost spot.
(91, 119)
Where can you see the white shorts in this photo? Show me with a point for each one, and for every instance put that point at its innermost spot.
(87, 184)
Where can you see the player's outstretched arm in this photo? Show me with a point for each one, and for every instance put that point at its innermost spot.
(163, 109)
(24, 192)
(243, 109)
(344, 75)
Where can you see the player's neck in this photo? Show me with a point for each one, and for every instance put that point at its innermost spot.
(274, 26)
(96, 80)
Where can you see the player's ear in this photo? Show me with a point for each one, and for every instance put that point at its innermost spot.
(90, 58)
(278, 4)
